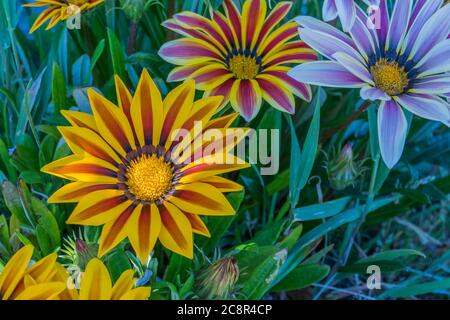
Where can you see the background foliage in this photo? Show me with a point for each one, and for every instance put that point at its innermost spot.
(300, 234)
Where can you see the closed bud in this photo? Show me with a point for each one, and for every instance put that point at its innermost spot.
(133, 9)
(218, 280)
(343, 168)
(77, 252)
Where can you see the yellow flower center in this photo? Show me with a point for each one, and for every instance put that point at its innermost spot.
(149, 177)
(244, 67)
(390, 77)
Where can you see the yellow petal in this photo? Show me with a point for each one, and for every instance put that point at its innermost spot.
(43, 291)
(141, 293)
(146, 226)
(112, 123)
(123, 285)
(147, 111)
(202, 199)
(75, 191)
(80, 119)
(14, 271)
(99, 207)
(96, 282)
(176, 231)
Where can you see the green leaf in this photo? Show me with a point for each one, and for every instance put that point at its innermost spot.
(417, 289)
(117, 55)
(321, 210)
(97, 54)
(373, 131)
(301, 169)
(58, 89)
(14, 203)
(269, 234)
(48, 223)
(302, 277)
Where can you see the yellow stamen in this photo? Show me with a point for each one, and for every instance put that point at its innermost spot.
(243, 67)
(390, 77)
(149, 178)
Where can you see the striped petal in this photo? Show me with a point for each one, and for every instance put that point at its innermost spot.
(184, 72)
(96, 283)
(354, 66)
(253, 15)
(99, 207)
(84, 169)
(329, 10)
(222, 184)
(292, 52)
(374, 94)
(273, 92)
(115, 231)
(432, 85)
(203, 169)
(234, 18)
(436, 61)
(278, 13)
(201, 198)
(198, 226)
(75, 191)
(392, 129)
(124, 97)
(147, 111)
(246, 98)
(44, 269)
(189, 51)
(112, 123)
(80, 119)
(146, 226)
(177, 106)
(222, 90)
(300, 89)
(176, 231)
(46, 15)
(211, 76)
(209, 27)
(277, 39)
(83, 140)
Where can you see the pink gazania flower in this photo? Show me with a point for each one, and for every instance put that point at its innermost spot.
(345, 9)
(403, 64)
(242, 57)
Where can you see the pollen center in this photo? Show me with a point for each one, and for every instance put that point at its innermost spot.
(390, 77)
(244, 67)
(149, 177)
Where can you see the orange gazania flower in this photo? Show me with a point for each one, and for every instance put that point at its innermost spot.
(59, 10)
(23, 280)
(130, 176)
(243, 57)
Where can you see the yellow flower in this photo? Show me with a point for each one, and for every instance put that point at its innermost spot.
(59, 10)
(129, 176)
(22, 280)
(240, 55)
(96, 284)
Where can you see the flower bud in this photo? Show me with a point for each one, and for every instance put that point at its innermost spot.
(343, 168)
(77, 252)
(218, 280)
(133, 9)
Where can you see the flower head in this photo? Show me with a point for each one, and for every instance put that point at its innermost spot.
(241, 56)
(133, 175)
(59, 10)
(405, 63)
(23, 279)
